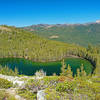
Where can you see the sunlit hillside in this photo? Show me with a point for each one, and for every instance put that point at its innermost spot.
(81, 34)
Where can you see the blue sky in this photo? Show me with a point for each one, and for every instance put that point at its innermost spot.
(28, 12)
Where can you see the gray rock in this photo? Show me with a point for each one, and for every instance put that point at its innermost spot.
(41, 95)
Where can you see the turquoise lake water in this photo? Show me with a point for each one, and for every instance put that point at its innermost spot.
(28, 67)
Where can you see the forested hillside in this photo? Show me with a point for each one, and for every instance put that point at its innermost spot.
(18, 43)
(81, 34)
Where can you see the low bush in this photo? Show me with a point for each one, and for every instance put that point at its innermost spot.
(65, 87)
(27, 94)
(6, 96)
(52, 94)
(50, 78)
(5, 83)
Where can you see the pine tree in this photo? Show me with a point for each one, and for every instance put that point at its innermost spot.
(69, 73)
(16, 71)
(83, 73)
(78, 72)
(97, 69)
(54, 74)
(63, 68)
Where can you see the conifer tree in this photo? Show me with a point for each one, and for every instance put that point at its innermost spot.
(63, 68)
(97, 69)
(16, 71)
(83, 73)
(54, 74)
(78, 72)
(69, 73)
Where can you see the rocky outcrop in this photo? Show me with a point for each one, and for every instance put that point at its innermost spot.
(41, 95)
(14, 79)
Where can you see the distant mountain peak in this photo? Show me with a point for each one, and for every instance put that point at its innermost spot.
(79, 33)
(61, 25)
(98, 21)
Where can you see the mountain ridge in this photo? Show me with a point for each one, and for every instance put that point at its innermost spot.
(81, 34)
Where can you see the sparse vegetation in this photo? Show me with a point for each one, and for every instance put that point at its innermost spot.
(6, 96)
(5, 83)
(7, 71)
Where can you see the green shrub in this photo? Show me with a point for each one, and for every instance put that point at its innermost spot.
(97, 97)
(6, 96)
(50, 78)
(50, 81)
(65, 87)
(52, 94)
(27, 94)
(5, 83)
